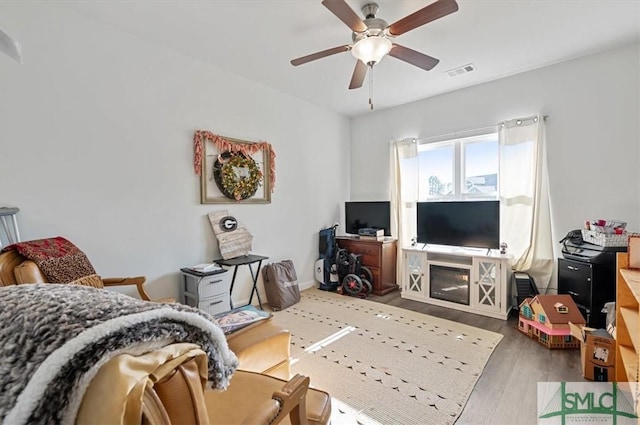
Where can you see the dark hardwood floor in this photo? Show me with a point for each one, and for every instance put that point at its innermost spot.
(506, 393)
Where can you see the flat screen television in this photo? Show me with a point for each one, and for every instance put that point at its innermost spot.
(375, 214)
(472, 224)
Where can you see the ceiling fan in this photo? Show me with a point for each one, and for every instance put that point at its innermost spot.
(372, 37)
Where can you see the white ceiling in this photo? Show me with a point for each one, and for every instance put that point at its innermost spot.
(257, 39)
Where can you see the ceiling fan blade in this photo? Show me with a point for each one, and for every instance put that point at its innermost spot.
(342, 10)
(414, 58)
(423, 16)
(359, 73)
(319, 55)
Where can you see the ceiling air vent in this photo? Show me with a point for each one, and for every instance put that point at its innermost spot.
(464, 69)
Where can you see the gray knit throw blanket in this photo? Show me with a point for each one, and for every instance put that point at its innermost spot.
(54, 338)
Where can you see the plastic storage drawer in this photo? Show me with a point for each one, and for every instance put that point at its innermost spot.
(208, 292)
(214, 305)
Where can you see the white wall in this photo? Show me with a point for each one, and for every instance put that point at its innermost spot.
(96, 130)
(593, 133)
(96, 135)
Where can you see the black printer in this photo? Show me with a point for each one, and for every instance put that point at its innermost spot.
(590, 253)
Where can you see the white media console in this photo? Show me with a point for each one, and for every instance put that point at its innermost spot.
(471, 280)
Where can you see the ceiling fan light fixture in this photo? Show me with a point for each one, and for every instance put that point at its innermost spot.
(371, 50)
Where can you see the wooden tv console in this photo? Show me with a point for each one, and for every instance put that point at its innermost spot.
(378, 256)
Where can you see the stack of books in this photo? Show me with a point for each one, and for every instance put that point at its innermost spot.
(205, 267)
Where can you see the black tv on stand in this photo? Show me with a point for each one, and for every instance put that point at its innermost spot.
(367, 214)
(467, 224)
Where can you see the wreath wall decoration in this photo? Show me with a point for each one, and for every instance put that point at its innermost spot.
(237, 175)
(242, 171)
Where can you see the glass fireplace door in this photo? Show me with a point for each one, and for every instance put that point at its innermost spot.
(449, 283)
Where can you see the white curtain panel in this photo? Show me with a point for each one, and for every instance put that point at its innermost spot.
(525, 219)
(404, 167)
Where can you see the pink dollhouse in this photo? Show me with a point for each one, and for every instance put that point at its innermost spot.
(546, 318)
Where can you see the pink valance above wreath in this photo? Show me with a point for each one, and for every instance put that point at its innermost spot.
(224, 145)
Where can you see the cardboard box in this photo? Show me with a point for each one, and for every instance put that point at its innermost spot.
(597, 353)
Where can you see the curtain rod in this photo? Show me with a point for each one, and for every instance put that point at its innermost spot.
(468, 133)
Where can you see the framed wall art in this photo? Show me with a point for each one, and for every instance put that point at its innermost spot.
(233, 170)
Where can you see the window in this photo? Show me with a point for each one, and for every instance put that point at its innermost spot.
(436, 165)
(526, 312)
(541, 318)
(561, 308)
(459, 169)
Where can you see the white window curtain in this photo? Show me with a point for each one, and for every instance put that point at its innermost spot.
(404, 168)
(525, 219)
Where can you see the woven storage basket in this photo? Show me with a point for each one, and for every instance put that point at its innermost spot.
(604, 239)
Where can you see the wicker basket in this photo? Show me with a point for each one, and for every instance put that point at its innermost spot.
(604, 239)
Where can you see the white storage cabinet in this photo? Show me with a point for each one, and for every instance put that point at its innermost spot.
(484, 277)
(208, 292)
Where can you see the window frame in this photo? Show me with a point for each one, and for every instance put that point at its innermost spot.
(459, 160)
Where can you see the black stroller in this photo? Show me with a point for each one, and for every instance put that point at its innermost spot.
(339, 270)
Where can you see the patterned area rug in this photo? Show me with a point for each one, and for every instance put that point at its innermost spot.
(383, 364)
